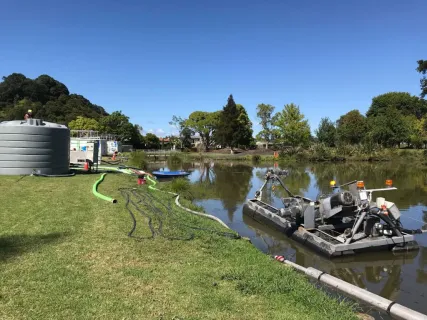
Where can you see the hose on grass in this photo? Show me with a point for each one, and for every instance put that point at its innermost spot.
(54, 175)
(152, 187)
(112, 162)
(99, 195)
(173, 214)
(160, 215)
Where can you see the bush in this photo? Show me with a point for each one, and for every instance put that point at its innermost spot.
(345, 150)
(138, 159)
(180, 185)
(175, 158)
(256, 158)
(320, 152)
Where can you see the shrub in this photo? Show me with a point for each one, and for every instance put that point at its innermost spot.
(175, 158)
(138, 159)
(320, 152)
(345, 150)
(256, 158)
(180, 185)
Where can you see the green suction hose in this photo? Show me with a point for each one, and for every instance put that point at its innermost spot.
(153, 182)
(96, 193)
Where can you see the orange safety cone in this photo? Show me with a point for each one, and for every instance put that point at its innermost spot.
(86, 166)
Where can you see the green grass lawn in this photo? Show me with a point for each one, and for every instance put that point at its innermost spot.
(65, 254)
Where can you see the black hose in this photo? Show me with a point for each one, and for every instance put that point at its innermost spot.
(22, 177)
(415, 231)
(54, 175)
(159, 216)
(390, 223)
(174, 215)
(113, 163)
(130, 234)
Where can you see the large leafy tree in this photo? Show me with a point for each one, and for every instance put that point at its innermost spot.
(118, 124)
(185, 137)
(151, 141)
(404, 102)
(422, 68)
(351, 127)
(204, 123)
(265, 115)
(292, 128)
(82, 123)
(184, 132)
(390, 128)
(326, 132)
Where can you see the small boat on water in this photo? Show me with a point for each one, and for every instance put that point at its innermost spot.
(170, 174)
(344, 222)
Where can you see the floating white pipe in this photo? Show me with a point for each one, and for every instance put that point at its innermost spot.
(393, 309)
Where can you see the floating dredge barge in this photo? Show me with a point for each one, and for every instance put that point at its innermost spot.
(344, 222)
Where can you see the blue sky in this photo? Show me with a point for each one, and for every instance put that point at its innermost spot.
(154, 59)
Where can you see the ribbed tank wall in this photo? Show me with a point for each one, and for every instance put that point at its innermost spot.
(34, 145)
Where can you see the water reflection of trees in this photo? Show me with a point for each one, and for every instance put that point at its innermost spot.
(232, 185)
(410, 180)
(229, 183)
(421, 273)
(207, 173)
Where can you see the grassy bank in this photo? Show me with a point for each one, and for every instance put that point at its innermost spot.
(65, 254)
(319, 154)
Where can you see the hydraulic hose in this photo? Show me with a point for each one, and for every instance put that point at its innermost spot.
(99, 195)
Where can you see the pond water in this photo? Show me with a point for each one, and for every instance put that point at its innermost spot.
(401, 278)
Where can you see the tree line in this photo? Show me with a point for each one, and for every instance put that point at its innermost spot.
(392, 119)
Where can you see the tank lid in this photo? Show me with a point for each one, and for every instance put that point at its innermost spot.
(32, 123)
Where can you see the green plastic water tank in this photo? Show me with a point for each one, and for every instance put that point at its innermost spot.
(34, 145)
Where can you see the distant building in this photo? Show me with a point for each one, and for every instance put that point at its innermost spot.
(164, 140)
(196, 141)
(264, 145)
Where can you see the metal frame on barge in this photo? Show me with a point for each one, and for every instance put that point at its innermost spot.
(342, 223)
